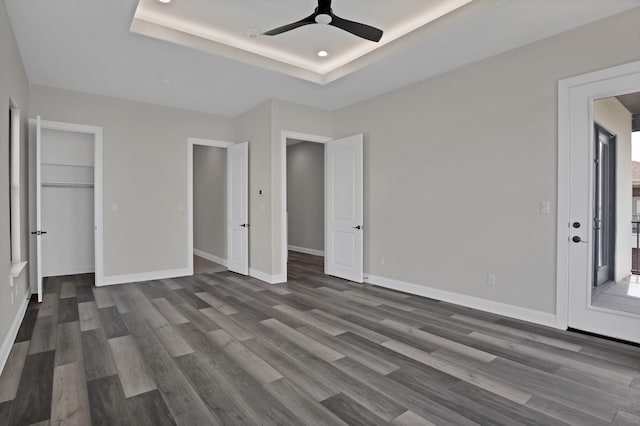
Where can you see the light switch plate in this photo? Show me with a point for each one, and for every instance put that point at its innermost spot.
(545, 207)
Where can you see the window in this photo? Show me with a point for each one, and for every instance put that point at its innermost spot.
(17, 265)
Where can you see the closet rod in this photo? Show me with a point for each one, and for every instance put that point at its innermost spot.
(67, 185)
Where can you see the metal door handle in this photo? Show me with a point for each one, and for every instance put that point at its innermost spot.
(245, 225)
(358, 227)
(38, 232)
(577, 239)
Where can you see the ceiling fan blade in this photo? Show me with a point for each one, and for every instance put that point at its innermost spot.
(311, 19)
(356, 28)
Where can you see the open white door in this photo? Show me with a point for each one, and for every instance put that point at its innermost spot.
(344, 218)
(576, 234)
(38, 230)
(238, 208)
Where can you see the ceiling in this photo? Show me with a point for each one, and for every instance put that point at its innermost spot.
(97, 46)
(221, 27)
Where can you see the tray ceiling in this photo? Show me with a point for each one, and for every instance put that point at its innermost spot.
(223, 27)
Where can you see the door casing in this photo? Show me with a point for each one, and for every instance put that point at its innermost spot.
(96, 131)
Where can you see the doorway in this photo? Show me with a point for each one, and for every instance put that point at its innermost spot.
(209, 208)
(305, 202)
(65, 201)
(595, 223)
(343, 205)
(218, 206)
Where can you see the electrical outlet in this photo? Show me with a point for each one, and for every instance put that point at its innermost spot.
(491, 279)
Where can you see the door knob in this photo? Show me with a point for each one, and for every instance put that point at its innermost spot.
(245, 225)
(576, 225)
(358, 227)
(576, 239)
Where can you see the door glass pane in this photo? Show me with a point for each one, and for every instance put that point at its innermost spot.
(616, 198)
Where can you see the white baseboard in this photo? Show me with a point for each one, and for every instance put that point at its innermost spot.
(143, 276)
(7, 343)
(269, 279)
(306, 250)
(211, 257)
(517, 312)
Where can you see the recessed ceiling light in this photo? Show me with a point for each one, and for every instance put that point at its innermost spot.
(252, 33)
(165, 81)
(323, 53)
(164, 1)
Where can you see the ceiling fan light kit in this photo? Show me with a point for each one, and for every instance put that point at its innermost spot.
(324, 15)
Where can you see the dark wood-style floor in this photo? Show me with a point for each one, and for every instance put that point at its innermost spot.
(219, 348)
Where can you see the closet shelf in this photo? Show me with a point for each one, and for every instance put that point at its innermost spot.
(67, 185)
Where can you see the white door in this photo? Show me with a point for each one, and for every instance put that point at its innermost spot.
(344, 218)
(38, 231)
(579, 229)
(238, 208)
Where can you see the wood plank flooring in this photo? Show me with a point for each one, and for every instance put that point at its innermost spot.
(218, 348)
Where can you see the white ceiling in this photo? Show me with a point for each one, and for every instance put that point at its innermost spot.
(87, 45)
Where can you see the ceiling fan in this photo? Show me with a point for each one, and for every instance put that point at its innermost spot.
(324, 15)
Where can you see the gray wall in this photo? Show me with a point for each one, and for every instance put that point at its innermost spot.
(456, 166)
(210, 200)
(305, 195)
(262, 126)
(255, 126)
(14, 84)
(613, 116)
(145, 173)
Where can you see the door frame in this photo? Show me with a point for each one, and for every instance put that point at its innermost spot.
(191, 142)
(98, 214)
(601, 82)
(284, 135)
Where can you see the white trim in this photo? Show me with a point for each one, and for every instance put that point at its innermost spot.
(10, 337)
(209, 256)
(269, 279)
(210, 142)
(144, 276)
(306, 250)
(564, 139)
(517, 312)
(190, 143)
(284, 135)
(562, 248)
